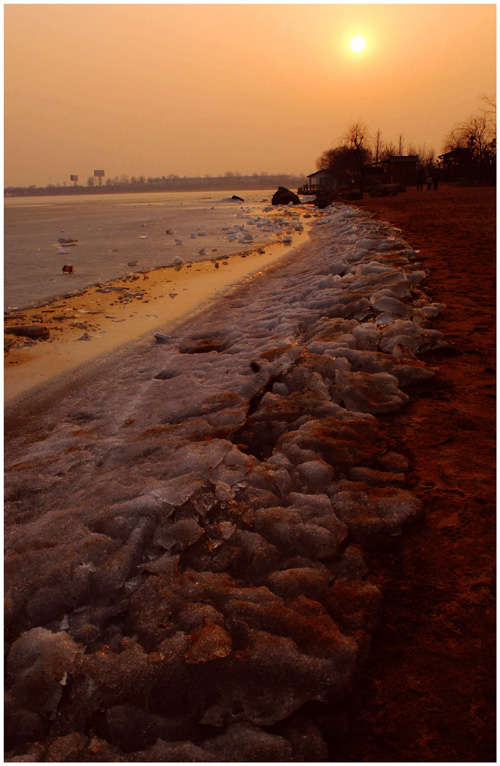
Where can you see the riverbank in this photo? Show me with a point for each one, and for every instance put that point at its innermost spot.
(102, 318)
(190, 536)
(186, 532)
(121, 234)
(430, 685)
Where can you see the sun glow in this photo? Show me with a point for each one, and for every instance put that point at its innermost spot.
(357, 44)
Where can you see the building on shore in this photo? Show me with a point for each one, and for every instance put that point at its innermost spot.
(398, 170)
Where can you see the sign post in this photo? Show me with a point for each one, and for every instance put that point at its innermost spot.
(99, 174)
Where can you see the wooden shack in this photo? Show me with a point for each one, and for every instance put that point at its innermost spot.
(400, 169)
(321, 180)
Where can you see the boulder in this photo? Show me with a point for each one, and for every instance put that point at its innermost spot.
(284, 196)
(325, 198)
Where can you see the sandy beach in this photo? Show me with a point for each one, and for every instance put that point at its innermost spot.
(429, 690)
(233, 507)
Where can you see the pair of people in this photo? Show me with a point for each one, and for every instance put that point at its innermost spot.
(431, 181)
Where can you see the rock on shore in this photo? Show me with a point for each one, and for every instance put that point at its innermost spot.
(184, 563)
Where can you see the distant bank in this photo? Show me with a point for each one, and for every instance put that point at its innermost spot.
(228, 182)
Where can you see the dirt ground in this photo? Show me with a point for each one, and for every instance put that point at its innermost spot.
(428, 691)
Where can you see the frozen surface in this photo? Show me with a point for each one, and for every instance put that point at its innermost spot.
(184, 537)
(116, 230)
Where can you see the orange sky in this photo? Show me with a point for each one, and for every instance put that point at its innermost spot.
(205, 89)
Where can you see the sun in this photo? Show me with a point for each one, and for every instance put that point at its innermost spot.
(357, 44)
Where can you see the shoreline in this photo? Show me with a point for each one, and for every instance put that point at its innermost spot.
(121, 236)
(226, 426)
(214, 497)
(99, 319)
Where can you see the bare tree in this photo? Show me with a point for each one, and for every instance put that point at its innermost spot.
(357, 138)
(400, 145)
(425, 155)
(490, 106)
(340, 160)
(388, 150)
(476, 137)
(377, 144)
(356, 135)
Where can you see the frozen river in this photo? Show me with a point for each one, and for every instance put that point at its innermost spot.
(121, 233)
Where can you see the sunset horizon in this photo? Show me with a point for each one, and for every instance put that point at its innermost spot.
(194, 90)
(250, 271)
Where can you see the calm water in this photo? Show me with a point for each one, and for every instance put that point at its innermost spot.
(110, 230)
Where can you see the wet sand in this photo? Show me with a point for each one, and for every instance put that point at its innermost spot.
(100, 319)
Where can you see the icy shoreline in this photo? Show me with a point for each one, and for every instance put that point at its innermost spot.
(184, 544)
(117, 237)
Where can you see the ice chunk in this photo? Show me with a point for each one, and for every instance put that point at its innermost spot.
(36, 665)
(316, 475)
(243, 742)
(375, 392)
(391, 305)
(376, 514)
(182, 533)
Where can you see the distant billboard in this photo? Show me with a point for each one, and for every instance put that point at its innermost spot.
(73, 178)
(99, 173)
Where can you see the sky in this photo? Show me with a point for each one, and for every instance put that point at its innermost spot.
(207, 89)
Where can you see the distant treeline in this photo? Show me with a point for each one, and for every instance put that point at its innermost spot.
(228, 182)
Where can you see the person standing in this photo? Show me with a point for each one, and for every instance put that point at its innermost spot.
(420, 179)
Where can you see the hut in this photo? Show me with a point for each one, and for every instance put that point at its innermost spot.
(321, 180)
(400, 169)
(457, 163)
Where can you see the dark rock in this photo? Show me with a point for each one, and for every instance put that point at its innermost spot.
(239, 199)
(35, 331)
(284, 196)
(67, 269)
(325, 198)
